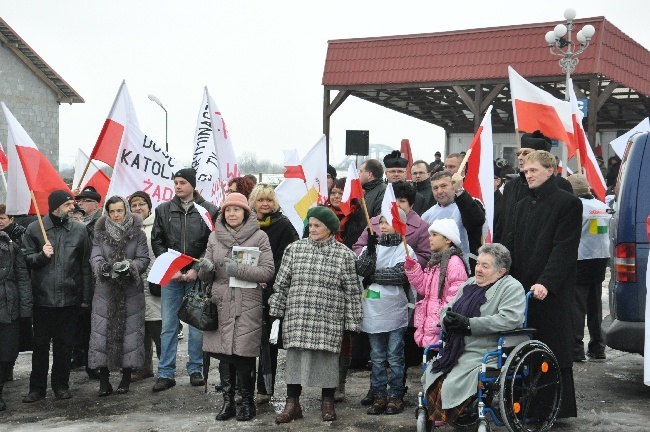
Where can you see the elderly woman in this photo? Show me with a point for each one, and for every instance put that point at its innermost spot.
(317, 292)
(488, 303)
(264, 202)
(119, 256)
(236, 342)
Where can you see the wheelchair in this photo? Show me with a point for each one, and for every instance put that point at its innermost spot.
(519, 386)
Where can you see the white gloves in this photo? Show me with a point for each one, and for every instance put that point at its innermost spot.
(275, 331)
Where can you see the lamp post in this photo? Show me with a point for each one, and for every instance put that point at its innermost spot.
(560, 44)
(159, 103)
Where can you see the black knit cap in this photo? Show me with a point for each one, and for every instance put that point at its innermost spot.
(58, 198)
(141, 194)
(536, 141)
(331, 171)
(395, 160)
(89, 192)
(188, 174)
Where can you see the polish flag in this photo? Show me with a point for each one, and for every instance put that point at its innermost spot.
(4, 162)
(560, 168)
(110, 137)
(166, 266)
(390, 211)
(534, 109)
(587, 158)
(405, 149)
(29, 170)
(352, 189)
(293, 165)
(479, 180)
(205, 215)
(94, 177)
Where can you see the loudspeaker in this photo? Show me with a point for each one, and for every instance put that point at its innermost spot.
(357, 142)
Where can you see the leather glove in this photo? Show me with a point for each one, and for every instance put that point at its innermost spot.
(409, 263)
(231, 267)
(373, 239)
(367, 281)
(105, 270)
(457, 323)
(206, 265)
(275, 331)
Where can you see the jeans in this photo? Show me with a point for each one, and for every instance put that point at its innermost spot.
(387, 347)
(170, 302)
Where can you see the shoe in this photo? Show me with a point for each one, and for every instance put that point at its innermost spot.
(597, 355)
(292, 411)
(163, 384)
(180, 335)
(394, 406)
(378, 406)
(262, 399)
(327, 409)
(579, 358)
(33, 396)
(123, 388)
(140, 374)
(63, 394)
(93, 374)
(227, 378)
(196, 379)
(105, 390)
(369, 399)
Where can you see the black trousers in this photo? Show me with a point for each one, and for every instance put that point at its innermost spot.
(588, 302)
(81, 339)
(57, 325)
(152, 330)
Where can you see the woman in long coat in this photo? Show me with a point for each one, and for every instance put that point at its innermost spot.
(118, 258)
(236, 342)
(318, 294)
(15, 303)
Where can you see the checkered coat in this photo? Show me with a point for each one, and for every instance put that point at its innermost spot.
(318, 294)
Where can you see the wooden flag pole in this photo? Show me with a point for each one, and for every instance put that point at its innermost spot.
(578, 162)
(517, 138)
(406, 247)
(365, 210)
(83, 174)
(464, 162)
(38, 214)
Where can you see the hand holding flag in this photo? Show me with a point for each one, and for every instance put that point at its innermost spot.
(166, 266)
(390, 211)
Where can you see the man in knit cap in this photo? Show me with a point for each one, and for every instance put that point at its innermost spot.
(178, 225)
(61, 283)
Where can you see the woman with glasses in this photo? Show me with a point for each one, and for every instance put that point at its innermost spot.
(264, 202)
(243, 185)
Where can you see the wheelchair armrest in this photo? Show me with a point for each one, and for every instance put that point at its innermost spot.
(519, 331)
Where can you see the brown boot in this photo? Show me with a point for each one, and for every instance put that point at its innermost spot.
(394, 406)
(378, 406)
(292, 411)
(327, 409)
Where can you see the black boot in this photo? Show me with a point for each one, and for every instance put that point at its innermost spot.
(123, 388)
(3, 376)
(227, 373)
(105, 387)
(246, 375)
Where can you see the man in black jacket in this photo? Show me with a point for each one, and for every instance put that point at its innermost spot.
(371, 176)
(420, 174)
(178, 225)
(61, 282)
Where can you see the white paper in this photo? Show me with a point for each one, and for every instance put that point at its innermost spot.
(248, 256)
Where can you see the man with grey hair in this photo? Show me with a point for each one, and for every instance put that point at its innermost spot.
(544, 246)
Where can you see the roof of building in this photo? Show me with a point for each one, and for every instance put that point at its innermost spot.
(10, 39)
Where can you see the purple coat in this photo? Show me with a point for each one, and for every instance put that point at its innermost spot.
(417, 236)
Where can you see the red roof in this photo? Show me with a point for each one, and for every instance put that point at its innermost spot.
(483, 54)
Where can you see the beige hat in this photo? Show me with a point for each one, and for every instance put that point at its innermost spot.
(579, 184)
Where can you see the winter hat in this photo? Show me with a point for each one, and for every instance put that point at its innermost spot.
(143, 195)
(235, 199)
(395, 160)
(536, 141)
(579, 183)
(331, 171)
(89, 192)
(58, 198)
(326, 216)
(188, 174)
(447, 228)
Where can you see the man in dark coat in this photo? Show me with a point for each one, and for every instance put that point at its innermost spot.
(61, 282)
(396, 167)
(420, 173)
(371, 176)
(516, 189)
(544, 246)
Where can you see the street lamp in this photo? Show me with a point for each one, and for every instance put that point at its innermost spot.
(159, 103)
(560, 44)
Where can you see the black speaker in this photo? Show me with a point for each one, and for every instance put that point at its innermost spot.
(357, 142)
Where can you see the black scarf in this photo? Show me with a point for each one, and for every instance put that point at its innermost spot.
(443, 258)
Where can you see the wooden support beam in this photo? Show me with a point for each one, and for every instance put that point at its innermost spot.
(326, 122)
(478, 97)
(592, 114)
(607, 92)
(338, 100)
(465, 98)
(491, 96)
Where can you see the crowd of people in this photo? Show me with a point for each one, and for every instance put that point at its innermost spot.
(78, 281)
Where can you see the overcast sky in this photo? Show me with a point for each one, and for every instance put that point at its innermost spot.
(261, 60)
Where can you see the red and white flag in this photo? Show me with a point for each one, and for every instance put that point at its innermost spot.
(166, 266)
(390, 210)
(4, 162)
(205, 215)
(110, 137)
(587, 158)
(560, 168)
(94, 177)
(479, 180)
(227, 161)
(534, 109)
(292, 165)
(352, 189)
(29, 170)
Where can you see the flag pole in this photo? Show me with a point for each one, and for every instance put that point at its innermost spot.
(81, 179)
(406, 247)
(4, 180)
(38, 214)
(578, 162)
(517, 138)
(365, 210)
(464, 162)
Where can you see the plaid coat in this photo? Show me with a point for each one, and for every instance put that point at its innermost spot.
(318, 294)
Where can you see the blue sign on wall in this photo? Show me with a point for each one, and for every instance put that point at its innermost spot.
(582, 104)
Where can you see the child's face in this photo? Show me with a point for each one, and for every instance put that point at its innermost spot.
(384, 228)
(438, 243)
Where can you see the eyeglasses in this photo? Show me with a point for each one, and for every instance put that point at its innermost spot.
(139, 204)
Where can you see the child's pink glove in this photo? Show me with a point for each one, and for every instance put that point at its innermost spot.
(410, 263)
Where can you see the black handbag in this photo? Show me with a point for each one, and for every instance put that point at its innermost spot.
(197, 308)
(155, 289)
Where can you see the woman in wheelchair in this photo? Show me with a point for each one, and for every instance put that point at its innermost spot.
(489, 303)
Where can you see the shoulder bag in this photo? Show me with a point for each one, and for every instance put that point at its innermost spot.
(197, 308)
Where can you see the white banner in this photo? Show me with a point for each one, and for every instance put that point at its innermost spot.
(227, 161)
(205, 161)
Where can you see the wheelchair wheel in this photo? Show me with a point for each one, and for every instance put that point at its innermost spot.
(423, 424)
(531, 388)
